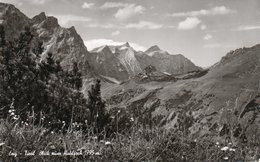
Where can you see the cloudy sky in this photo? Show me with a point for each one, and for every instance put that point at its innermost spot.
(201, 30)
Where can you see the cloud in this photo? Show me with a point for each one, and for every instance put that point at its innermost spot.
(15, 2)
(67, 20)
(207, 37)
(104, 26)
(129, 11)
(115, 33)
(203, 27)
(113, 5)
(38, 2)
(218, 45)
(189, 23)
(218, 10)
(86, 5)
(125, 10)
(20, 2)
(247, 27)
(140, 25)
(93, 43)
(144, 25)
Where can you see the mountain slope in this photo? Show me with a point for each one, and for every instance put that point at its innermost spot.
(224, 103)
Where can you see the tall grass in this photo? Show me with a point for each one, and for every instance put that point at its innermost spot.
(138, 144)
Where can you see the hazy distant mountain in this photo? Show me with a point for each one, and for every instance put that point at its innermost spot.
(165, 62)
(132, 62)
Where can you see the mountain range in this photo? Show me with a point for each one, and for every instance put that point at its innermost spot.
(154, 85)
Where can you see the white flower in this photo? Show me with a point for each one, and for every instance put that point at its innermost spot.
(226, 158)
(224, 148)
(12, 113)
(132, 119)
(217, 143)
(107, 143)
(2, 143)
(232, 149)
(97, 153)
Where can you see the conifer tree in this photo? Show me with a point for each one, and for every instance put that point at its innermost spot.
(99, 118)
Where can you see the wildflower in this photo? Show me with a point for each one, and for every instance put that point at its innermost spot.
(232, 149)
(224, 148)
(131, 119)
(94, 138)
(226, 158)
(2, 143)
(12, 114)
(217, 143)
(97, 153)
(15, 117)
(107, 143)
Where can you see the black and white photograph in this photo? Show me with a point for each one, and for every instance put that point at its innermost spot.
(130, 80)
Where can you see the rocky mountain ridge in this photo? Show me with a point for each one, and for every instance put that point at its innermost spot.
(117, 62)
(133, 62)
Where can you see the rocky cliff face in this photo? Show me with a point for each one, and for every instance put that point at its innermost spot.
(13, 20)
(107, 64)
(65, 43)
